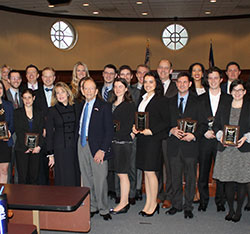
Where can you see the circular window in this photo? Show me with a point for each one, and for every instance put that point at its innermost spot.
(175, 36)
(63, 35)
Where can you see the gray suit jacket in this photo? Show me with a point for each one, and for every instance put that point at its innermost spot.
(172, 90)
(11, 99)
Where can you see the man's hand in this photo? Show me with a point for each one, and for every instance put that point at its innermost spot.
(99, 155)
(177, 132)
(209, 134)
(188, 137)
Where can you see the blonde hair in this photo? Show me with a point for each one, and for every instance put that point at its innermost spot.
(65, 87)
(75, 81)
(4, 66)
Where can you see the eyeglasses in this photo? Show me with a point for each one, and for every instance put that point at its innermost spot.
(238, 90)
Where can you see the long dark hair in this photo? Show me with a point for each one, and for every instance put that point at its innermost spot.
(4, 97)
(159, 90)
(127, 96)
(203, 82)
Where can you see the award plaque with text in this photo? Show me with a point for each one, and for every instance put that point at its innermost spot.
(4, 130)
(116, 125)
(141, 120)
(31, 140)
(231, 135)
(210, 123)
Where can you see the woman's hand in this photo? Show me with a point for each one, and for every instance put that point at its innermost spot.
(147, 132)
(36, 150)
(188, 137)
(209, 134)
(241, 141)
(132, 135)
(9, 135)
(51, 161)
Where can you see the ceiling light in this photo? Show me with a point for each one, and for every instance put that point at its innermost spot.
(207, 12)
(139, 2)
(95, 12)
(212, 1)
(51, 6)
(144, 13)
(85, 4)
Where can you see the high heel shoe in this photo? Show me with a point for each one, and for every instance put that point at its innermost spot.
(236, 218)
(157, 209)
(247, 207)
(121, 211)
(229, 216)
(142, 213)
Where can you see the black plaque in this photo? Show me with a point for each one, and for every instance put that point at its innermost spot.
(31, 140)
(231, 135)
(210, 123)
(116, 125)
(4, 130)
(189, 126)
(141, 120)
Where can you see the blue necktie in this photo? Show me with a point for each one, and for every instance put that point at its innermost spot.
(105, 95)
(84, 125)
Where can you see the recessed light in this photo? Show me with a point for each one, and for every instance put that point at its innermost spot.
(85, 4)
(207, 12)
(95, 12)
(144, 13)
(139, 2)
(212, 1)
(51, 6)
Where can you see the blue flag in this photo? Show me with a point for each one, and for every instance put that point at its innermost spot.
(211, 56)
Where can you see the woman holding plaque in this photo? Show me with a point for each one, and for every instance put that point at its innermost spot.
(28, 123)
(80, 71)
(122, 141)
(149, 140)
(6, 128)
(232, 165)
(60, 136)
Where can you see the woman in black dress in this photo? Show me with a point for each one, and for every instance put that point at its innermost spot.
(149, 141)
(123, 116)
(60, 136)
(6, 114)
(28, 120)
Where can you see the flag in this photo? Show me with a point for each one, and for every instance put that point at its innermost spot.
(211, 56)
(147, 54)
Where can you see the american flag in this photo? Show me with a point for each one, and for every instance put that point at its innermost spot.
(211, 56)
(147, 55)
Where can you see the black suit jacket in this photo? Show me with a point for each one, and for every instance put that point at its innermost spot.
(223, 87)
(192, 110)
(41, 102)
(222, 118)
(172, 90)
(21, 125)
(101, 128)
(25, 86)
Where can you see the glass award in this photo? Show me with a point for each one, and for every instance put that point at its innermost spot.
(231, 135)
(4, 130)
(31, 140)
(141, 120)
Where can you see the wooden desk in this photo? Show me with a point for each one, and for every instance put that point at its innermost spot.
(21, 229)
(50, 207)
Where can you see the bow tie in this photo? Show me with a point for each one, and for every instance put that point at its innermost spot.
(47, 89)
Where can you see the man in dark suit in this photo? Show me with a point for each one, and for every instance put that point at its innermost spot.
(32, 75)
(182, 146)
(109, 74)
(164, 71)
(141, 70)
(210, 102)
(14, 96)
(95, 130)
(126, 72)
(43, 102)
(233, 72)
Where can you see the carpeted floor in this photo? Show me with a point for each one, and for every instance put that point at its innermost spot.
(208, 222)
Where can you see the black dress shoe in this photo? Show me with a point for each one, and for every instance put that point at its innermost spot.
(131, 201)
(138, 195)
(173, 211)
(142, 213)
(236, 218)
(117, 200)
(247, 207)
(121, 211)
(93, 213)
(202, 207)
(220, 207)
(188, 214)
(106, 217)
(157, 209)
(229, 216)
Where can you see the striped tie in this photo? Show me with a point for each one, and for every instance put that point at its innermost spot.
(105, 95)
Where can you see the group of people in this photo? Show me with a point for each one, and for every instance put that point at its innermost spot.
(90, 135)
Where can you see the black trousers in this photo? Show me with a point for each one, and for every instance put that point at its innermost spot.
(207, 154)
(27, 167)
(187, 166)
